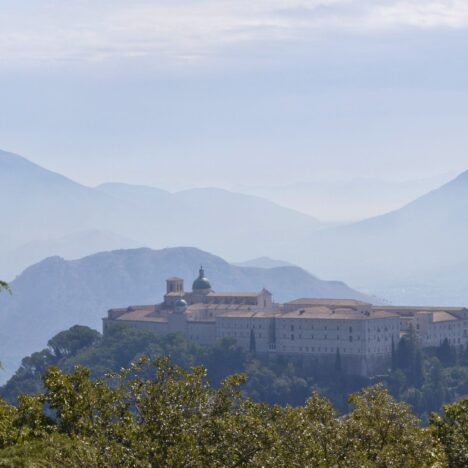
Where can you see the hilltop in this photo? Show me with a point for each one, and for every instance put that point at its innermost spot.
(54, 294)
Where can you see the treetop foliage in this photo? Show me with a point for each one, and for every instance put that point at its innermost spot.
(4, 286)
(155, 413)
(419, 378)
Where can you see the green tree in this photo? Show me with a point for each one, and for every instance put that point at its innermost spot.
(386, 433)
(173, 417)
(451, 429)
(446, 353)
(4, 286)
(309, 435)
(71, 341)
(409, 358)
(252, 345)
(338, 360)
(417, 370)
(464, 355)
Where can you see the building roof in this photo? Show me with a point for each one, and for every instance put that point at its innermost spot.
(174, 278)
(442, 316)
(246, 313)
(233, 294)
(148, 308)
(141, 315)
(200, 306)
(329, 302)
(420, 308)
(309, 313)
(336, 314)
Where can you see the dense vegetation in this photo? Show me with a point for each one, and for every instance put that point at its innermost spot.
(160, 415)
(425, 380)
(167, 413)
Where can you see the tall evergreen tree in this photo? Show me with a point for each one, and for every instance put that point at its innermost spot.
(446, 354)
(253, 344)
(418, 374)
(338, 360)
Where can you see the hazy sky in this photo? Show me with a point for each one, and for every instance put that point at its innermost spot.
(183, 93)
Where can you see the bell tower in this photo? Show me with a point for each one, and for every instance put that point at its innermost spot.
(175, 285)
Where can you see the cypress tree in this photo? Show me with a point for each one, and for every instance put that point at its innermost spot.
(338, 360)
(418, 374)
(445, 353)
(253, 344)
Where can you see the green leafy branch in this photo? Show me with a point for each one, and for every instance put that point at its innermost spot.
(4, 286)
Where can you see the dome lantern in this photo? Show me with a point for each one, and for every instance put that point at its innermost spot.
(201, 284)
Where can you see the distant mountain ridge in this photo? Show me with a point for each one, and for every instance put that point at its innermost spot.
(56, 294)
(427, 235)
(71, 247)
(397, 255)
(43, 205)
(347, 200)
(263, 262)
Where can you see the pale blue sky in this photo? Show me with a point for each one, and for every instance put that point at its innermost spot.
(187, 93)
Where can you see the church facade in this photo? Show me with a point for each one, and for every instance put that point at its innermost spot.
(320, 329)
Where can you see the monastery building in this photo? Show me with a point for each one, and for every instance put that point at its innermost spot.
(362, 334)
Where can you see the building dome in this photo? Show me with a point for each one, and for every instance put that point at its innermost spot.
(180, 303)
(201, 283)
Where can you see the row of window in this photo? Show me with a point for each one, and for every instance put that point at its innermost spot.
(243, 324)
(311, 327)
(319, 349)
(239, 335)
(312, 337)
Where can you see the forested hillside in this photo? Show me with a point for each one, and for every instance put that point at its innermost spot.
(426, 380)
(160, 415)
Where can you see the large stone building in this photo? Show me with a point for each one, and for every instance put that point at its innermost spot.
(433, 325)
(362, 334)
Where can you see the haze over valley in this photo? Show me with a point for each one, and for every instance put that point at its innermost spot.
(383, 255)
(61, 217)
(346, 200)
